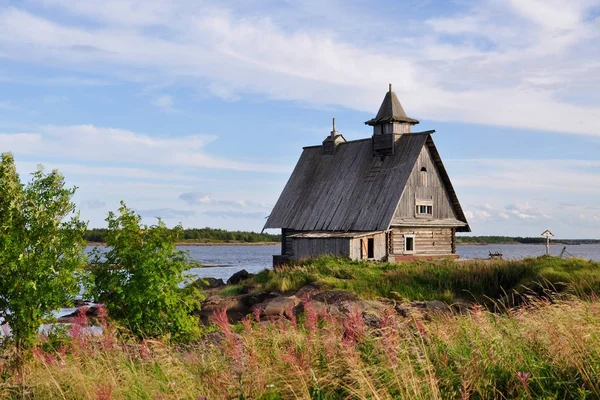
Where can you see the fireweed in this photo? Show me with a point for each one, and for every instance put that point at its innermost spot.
(546, 350)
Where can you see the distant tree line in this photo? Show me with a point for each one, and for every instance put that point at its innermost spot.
(518, 240)
(200, 235)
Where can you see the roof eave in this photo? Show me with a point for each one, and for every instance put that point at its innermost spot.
(376, 121)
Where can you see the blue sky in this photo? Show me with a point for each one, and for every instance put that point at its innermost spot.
(197, 111)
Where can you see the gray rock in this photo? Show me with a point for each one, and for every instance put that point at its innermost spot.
(238, 277)
(235, 309)
(90, 312)
(252, 299)
(278, 305)
(208, 283)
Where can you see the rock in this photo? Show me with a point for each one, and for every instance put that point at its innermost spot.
(90, 312)
(208, 283)
(423, 309)
(235, 309)
(238, 277)
(252, 299)
(247, 289)
(278, 305)
(335, 297)
(309, 290)
(438, 306)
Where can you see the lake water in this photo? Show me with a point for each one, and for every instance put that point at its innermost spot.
(256, 258)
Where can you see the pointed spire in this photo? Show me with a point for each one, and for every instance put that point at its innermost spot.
(391, 111)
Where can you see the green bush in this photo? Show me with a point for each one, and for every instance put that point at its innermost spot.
(41, 248)
(138, 278)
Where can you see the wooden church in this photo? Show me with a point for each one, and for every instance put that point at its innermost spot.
(387, 197)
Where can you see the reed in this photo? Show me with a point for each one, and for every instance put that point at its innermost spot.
(540, 350)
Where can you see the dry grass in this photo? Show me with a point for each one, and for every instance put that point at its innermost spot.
(541, 350)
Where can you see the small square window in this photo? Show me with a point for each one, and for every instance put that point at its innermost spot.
(424, 209)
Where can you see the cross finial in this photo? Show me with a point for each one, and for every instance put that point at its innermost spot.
(390, 88)
(333, 132)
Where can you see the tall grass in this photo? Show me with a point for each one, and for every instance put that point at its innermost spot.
(445, 280)
(543, 350)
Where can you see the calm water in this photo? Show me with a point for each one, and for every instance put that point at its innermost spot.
(256, 258)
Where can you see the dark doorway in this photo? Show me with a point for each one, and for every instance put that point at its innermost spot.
(371, 248)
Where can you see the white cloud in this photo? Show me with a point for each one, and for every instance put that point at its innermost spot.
(165, 213)
(535, 56)
(236, 214)
(165, 103)
(90, 143)
(529, 176)
(200, 198)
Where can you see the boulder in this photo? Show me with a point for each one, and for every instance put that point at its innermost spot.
(90, 312)
(252, 299)
(235, 309)
(278, 305)
(309, 290)
(335, 297)
(208, 283)
(238, 277)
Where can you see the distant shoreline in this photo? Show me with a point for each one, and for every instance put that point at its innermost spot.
(97, 244)
(552, 243)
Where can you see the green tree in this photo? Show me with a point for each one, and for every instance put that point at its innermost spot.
(138, 278)
(41, 248)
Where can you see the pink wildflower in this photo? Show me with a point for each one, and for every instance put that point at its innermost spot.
(290, 314)
(354, 326)
(256, 311)
(219, 318)
(311, 315)
(421, 329)
(104, 392)
(144, 350)
(523, 377)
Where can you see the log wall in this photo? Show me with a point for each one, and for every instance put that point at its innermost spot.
(428, 241)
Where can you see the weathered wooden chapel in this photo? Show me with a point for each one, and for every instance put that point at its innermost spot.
(387, 197)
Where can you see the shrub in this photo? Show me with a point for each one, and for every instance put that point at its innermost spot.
(138, 278)
(41, 248)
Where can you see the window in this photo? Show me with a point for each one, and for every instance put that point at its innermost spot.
(409, 243)
(424, 176)
(424, 209)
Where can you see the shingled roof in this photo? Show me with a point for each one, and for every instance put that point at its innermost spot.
(391, 111)
(350, 190)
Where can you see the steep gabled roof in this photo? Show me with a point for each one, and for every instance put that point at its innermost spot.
(350, 190)
(391, 111)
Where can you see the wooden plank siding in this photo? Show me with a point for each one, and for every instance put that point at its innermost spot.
(414, 191)
(287, 245)
(427, 241)
(380, 247)
(312, 247)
